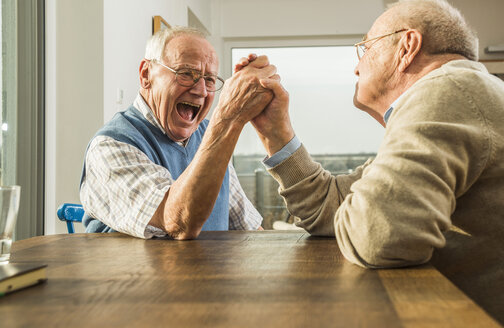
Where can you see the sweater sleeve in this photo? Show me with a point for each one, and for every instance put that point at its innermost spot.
(312, 193)
(395, 213)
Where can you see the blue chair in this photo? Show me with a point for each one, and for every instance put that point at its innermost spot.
(70, 213)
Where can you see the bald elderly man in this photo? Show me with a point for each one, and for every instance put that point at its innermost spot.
(435, 191)
(159, 167)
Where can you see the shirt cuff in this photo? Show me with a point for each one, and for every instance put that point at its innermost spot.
(284, 153)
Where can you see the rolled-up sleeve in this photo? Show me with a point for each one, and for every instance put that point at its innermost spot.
(394, 210)
(242, 214)
(122, 187)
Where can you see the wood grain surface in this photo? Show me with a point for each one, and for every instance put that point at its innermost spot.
(225, 279)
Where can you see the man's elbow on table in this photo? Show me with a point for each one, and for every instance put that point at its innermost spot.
(375, 253)
(179, 232)
(181, 229)
(185, 235)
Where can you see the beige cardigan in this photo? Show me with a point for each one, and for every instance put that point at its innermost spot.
(434, 191)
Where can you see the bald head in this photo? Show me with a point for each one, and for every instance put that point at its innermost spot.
(443, 28)
(157, 44)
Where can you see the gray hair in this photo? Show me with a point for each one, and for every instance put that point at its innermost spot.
(157, 43)
(444, 29)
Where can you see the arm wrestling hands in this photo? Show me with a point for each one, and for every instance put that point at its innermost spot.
(191, 198)
(273, 124)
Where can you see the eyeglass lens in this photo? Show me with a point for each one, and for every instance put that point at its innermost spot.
(360, 51)
(188, 78)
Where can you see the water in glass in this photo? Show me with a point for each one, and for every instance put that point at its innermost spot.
(9, 206)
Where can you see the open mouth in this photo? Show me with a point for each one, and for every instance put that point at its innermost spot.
(188, 111)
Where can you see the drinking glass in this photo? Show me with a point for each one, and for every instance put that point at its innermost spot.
(9, 206)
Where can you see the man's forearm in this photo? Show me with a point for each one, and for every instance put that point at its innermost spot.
(191, 198)
(276, 140)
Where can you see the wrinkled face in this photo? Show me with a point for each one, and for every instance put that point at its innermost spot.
(181, 109)
(375, 69)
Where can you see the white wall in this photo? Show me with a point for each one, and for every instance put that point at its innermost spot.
(74, 96)
(94, 47)
(265, 23)
(290, 23)
(266, 18)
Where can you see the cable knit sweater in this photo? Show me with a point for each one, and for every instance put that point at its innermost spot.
(435, 190)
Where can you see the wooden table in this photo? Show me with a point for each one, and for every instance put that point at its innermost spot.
(232, 279)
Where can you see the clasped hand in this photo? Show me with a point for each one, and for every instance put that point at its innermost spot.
(243, 96)
(273, 123)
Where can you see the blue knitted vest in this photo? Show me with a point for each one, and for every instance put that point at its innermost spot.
(131, 127)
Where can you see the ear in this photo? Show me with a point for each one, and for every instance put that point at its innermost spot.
(144, 72)
(410, 45)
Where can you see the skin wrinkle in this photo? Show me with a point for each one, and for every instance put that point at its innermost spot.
(173, 229)
(385, 71)
(437, 164)
(214, 142)
(248, 90)
(191, 198)
(167, 92)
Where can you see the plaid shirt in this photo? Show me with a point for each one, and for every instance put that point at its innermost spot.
(123, 188)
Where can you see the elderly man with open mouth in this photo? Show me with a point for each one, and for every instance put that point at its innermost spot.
(435, 190)
(159, 167)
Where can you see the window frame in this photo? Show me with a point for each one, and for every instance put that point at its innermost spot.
(274, 42)
(31, 117)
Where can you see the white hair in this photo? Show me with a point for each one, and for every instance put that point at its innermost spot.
(444, 29)
(156, 45)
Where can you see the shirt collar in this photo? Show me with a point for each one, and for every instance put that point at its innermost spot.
(147, 112)
(391, 108)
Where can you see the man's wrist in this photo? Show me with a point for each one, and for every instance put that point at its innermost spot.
(285, 152)
(275, 144)
(221, 131)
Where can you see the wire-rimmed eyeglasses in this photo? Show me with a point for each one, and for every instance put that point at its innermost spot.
(361, 46)
(188, 77)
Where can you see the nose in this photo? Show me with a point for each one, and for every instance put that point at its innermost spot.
(356, 69)
(199, 88)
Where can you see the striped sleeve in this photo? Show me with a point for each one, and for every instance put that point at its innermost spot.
(242, 214)
(123, 187)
